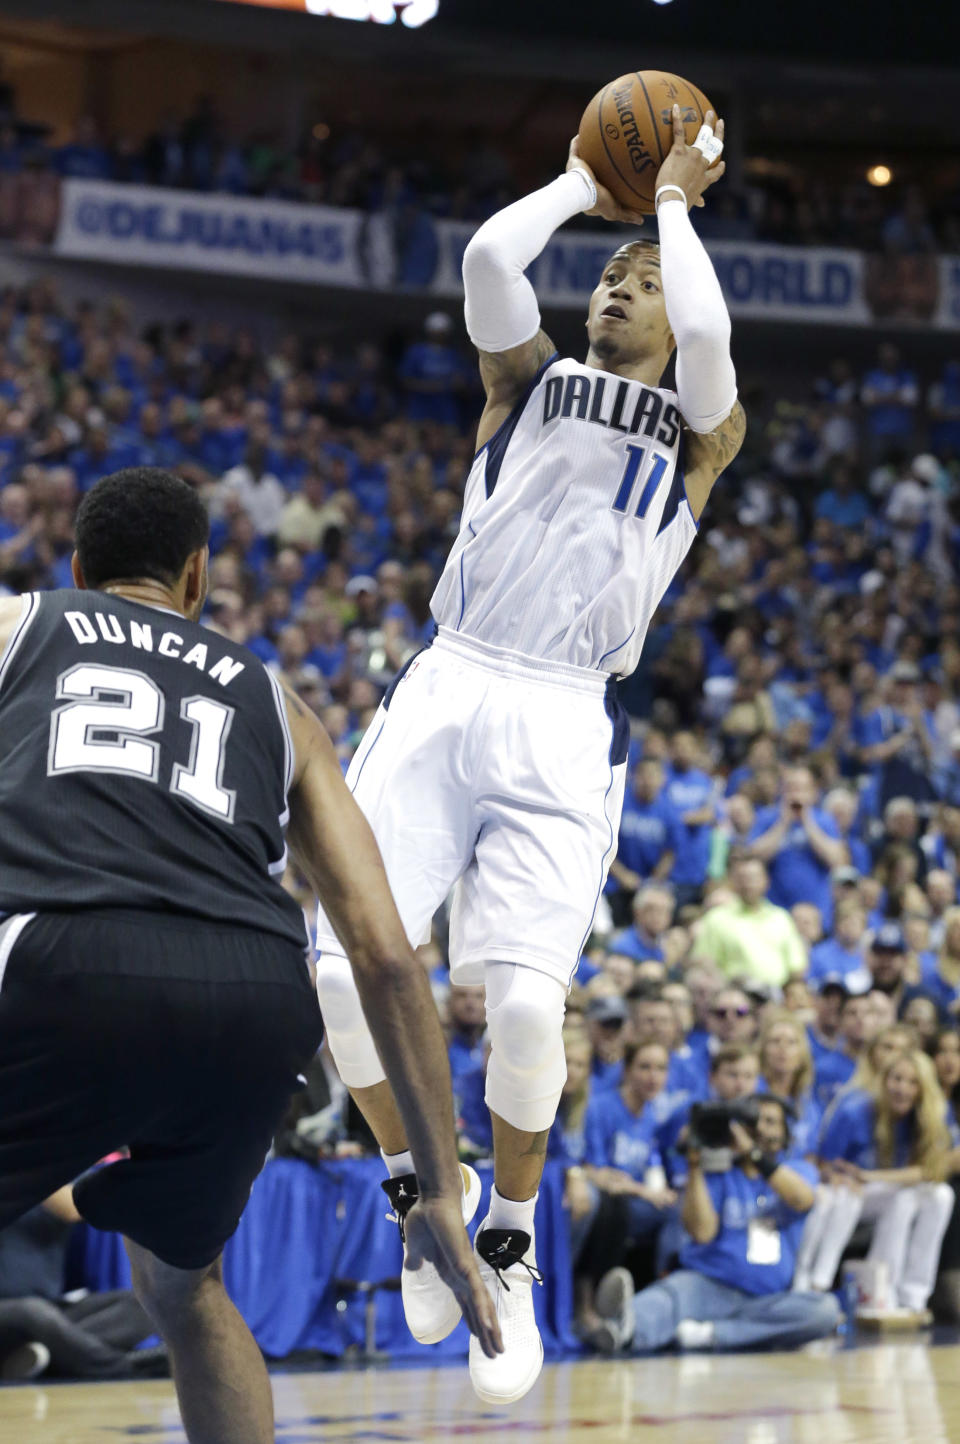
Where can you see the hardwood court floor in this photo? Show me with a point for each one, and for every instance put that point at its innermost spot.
(903, 1392)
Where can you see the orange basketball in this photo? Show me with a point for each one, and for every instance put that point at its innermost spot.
(627, 130)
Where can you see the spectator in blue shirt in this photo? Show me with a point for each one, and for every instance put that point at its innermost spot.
(621, 1141)
(432, 374)
(606, 1026)
(652, 1019)
(466, 1025)
(786, 1068)
(692, 793)
(652, 915)
(800, 844)
(897, 738)
(85, 156)
(649, 834)
(844, 955)
(732, 1290)
(889, 396)
(841, 503)
(834, 1067)
(842, 804)
(941, 977)
(893, 1145)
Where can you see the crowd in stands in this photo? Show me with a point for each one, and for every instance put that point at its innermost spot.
(461, 176)
(781, 921)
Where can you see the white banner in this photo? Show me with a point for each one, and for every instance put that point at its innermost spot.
(766, 282)
(147, 226)
(322, 245)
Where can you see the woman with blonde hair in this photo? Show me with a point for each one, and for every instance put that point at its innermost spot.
(892, 1147)
(786, 1066)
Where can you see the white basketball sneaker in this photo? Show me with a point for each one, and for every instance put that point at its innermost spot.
(430, 1308)
(508, 1267)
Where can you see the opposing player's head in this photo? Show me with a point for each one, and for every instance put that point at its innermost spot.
(627, 321)
(144, 525)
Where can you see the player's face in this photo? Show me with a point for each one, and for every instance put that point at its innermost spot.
(627, 320)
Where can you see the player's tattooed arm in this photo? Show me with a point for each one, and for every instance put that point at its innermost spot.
(709, 454)
(505, 375)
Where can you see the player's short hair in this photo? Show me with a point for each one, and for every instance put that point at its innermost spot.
(139, 523)
(638, 251)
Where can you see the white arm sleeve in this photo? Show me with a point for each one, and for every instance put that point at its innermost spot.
(699, 320)
(500, 306)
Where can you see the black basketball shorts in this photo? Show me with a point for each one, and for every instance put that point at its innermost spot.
(176, 1039)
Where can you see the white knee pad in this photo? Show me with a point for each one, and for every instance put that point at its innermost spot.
(350, 1042)
(527, 1068)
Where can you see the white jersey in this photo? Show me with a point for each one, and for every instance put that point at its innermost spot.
(575, 521)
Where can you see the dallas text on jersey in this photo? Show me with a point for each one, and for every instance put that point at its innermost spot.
(582, 396)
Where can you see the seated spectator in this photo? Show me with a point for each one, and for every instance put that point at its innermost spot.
(797, 999)
(920, 1014)
(808, 922)
(606, 1025)
(786, 1067)
(652, 915)
(844, 954)
(734, 1074)
(621, 1145)
(751, 938)
(887, 961)
(41, 1332)
(944, 1049)
(732, 1290)
(652, 1019)
(842, 805)
(894, 1148)
(466, 1024)
(649, 829)
(800, 845)
(942, 980)
(834, 1066)
(901, 827)
(692, 792)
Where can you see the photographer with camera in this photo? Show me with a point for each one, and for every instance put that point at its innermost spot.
(744, 1211)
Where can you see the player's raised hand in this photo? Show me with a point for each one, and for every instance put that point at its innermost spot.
(434, 1231)
(607, 207)
(687, 166)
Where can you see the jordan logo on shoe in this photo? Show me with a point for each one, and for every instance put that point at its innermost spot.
(505, 1246)
(401, 1192)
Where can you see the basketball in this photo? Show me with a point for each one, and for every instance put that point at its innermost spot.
(627, 130)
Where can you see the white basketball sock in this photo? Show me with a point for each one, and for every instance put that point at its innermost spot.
(511, 1213)
(398, 1164)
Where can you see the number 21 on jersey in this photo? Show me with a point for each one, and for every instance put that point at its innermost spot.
(649, 477)
(128, 706)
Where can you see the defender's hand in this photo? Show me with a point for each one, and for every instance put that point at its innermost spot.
(434, 1233)
(687, 167)
(607, 207)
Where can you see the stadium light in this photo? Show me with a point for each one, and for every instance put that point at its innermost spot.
(879, 175)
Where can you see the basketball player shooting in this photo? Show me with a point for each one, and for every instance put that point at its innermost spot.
(496, 765)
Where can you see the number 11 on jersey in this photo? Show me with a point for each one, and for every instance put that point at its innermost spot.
(635, 459)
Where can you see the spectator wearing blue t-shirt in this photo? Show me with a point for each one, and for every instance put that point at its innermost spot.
(844, 955)
(887, 959)
(786, 1068)
(940, 976)
(842, 804)
(841, 503)
(889, 395)
(897, 738)
(652, 1019)
(734, 1074)
(693, 794)
(606, 1027)
(649, 834)
(800, 844)
(833, 1067)
(732, 1290)
(652, 915)
(432, 374)
(85, 156)
(621, 1144)
(891, 1144)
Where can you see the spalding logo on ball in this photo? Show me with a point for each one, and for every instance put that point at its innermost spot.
(627, 130)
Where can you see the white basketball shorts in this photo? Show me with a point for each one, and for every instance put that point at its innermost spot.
(500, 777)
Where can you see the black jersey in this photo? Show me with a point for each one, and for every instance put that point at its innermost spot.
(145, 763)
